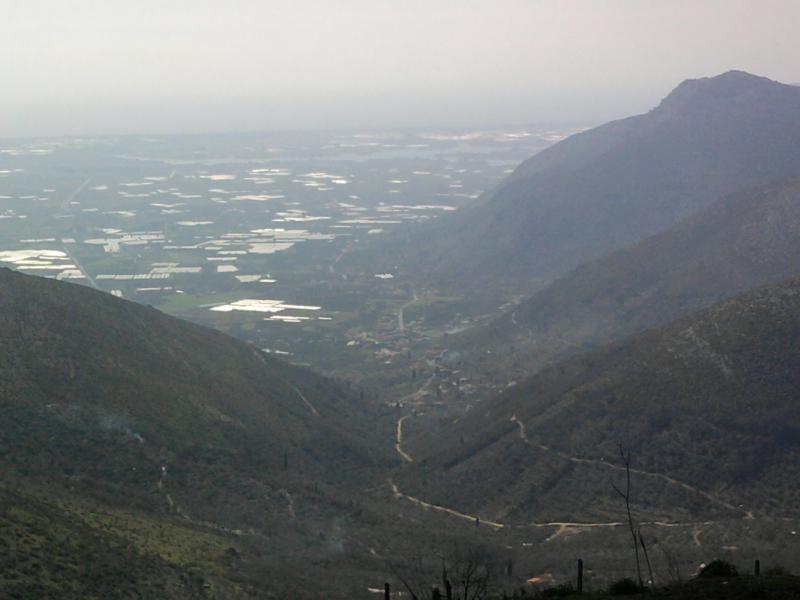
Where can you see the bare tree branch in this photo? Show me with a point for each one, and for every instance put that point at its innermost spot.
(626, 460)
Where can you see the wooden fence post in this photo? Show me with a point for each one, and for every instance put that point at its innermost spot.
(580, 575)
(386, 593)
(757, 569)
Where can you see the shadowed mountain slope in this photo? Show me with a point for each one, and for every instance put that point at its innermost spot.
(82, 357)
(613, 185)
(748, 239)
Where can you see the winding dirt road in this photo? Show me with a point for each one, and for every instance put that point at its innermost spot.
(293, 387)
(564, 528)
(601, 463)
(398, 494)
(305, 400)
(561, 526)
(413, 396)
(399, 440)
(401, 326)
(515, 323)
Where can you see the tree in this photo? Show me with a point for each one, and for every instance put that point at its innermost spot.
(472, 574)
(626, 496)
(469, 574)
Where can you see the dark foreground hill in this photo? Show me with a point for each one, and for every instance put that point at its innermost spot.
(708, 407)
(611, 186)
(143, 454)
(132, 376)
(742, 241)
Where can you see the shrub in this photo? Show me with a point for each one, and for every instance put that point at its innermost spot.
(560, 591)
(718, 568)
(624, 587)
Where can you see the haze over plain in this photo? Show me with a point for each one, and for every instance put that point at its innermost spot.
(96, 67)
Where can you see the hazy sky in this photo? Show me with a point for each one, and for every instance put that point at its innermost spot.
(150, 66)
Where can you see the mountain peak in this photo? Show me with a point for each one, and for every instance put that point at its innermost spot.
(727, 89)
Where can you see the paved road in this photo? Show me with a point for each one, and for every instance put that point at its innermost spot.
(66, 204)
(85, 273)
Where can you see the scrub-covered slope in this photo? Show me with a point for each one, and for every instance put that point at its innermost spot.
(709, 407)
(748, 239)
(172, 454)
